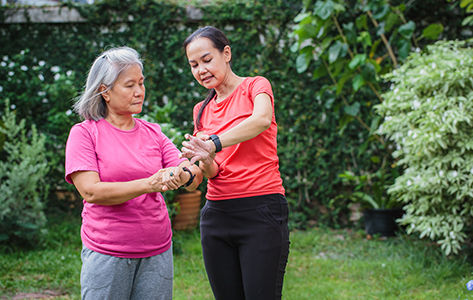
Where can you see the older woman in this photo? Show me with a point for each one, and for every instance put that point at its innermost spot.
(120, 165)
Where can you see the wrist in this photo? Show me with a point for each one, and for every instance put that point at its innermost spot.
(216, 143)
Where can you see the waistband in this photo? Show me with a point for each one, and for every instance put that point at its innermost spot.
(247, 203)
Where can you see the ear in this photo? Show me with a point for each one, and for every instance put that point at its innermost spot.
(227, 52)
(105, 94)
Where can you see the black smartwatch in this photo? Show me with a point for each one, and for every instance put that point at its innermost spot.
(191, 179)
(216, 140)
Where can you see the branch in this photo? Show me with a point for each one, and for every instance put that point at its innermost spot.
(385, 40)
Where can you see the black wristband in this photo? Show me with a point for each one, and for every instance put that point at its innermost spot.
(191, 179)
(216, 140)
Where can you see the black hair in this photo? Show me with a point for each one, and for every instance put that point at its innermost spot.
(219, 40)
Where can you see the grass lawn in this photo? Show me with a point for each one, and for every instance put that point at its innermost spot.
(323, 264)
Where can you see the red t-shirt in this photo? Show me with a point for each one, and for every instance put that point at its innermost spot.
(250, 168)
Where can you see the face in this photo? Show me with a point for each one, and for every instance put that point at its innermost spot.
(208, 64)
(127, 95)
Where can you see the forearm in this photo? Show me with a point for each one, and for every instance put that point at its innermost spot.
(113, 193)
(246, 130)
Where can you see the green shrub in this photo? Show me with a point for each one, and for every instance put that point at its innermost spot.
(23, 168)
(428, 113)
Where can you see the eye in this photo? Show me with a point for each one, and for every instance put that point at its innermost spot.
(207, 60)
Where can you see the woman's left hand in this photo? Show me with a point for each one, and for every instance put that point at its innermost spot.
(172, 177)
(198, 149)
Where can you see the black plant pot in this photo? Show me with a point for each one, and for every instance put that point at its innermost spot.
(382, 221)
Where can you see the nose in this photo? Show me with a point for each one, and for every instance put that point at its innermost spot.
(140, 90)
(202, 69)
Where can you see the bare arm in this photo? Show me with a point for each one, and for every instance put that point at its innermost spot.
(112, 193)
(203, 150)
(259, 121)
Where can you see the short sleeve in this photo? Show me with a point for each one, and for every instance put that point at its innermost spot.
(170, 153)
(195, 113)
(261, 85)
(80, 152)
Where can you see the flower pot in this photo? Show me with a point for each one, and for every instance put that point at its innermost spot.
(189, 208)
(382, 221)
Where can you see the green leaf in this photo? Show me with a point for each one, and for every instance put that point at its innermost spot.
(302, 62)
(300, 17)
(362, 22)
(381, 12)
(432, 31)
(406, 30)
(364, 38)
(358, 82)
(319, 72)
(324, 9)
(391, 20)
(334, 51)
(357, 61)
(353, 109)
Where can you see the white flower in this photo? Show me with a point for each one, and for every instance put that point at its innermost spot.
(1, 88)
(57, 76)
(11, 73)
(55, 69)
(433, 65)
(452, 235)
(416, 104)
(454, 173)
(69, 73)
(408, 183)
(417, 49)
(471, 171)
(41, 77)
(24, 68)
(11, 64)
(192, 83)
(5, 58)
(41, 93)
(45, 100)
(13, 106)
(22, 52)
(3, 64)
(68, 112)
(441, 172)
(165, 99)
(41, 63)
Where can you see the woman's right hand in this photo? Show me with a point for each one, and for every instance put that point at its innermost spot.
(198, 149)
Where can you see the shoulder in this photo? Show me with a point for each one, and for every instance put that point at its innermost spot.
(198, 106)
(85, 126)
(148, 125)
(258, 80)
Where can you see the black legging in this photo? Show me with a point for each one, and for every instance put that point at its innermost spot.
(245, 244)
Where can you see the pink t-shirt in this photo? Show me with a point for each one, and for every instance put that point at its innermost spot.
(250, 168)
(139, 227)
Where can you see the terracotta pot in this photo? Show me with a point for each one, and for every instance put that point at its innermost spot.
(189, 208)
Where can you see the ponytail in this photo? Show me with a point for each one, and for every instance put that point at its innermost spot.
(201, 110)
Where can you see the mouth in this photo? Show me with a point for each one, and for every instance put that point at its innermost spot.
(207, 79)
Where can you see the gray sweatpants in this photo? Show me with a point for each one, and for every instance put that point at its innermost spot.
(109, 277)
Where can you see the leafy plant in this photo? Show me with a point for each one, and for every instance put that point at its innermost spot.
(428, 114)
(23, 169)
(369, 189)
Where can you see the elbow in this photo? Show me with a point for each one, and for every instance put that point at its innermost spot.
(265, 124)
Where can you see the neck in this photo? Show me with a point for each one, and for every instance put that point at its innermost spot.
(228, 85)
(122, 122)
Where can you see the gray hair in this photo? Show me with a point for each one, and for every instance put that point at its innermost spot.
(105, 70)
